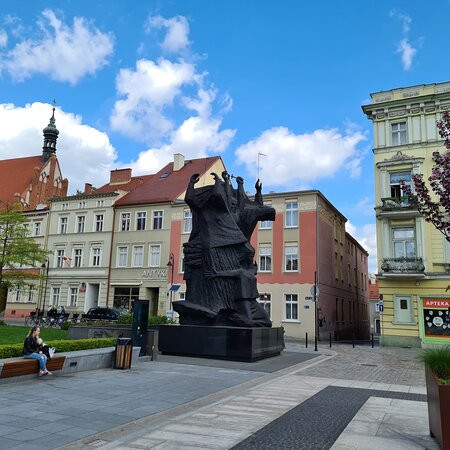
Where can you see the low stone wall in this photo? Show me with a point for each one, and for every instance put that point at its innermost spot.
(79, 361)
(116, 331)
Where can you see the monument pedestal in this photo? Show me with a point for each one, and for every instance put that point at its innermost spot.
(231, 343)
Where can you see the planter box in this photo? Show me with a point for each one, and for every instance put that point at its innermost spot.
(438, 397)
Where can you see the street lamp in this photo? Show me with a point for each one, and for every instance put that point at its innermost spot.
(45, 266)
(171, 264)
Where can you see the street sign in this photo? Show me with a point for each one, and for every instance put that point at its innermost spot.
(169, 314)
(380, 297)
(314, 290)
(309, 298)
(381, 308)
(175, 287)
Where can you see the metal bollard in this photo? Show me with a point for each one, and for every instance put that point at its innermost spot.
(315, 343)
(306, 342)
(330, 340)
(372, 340)
(353, 340)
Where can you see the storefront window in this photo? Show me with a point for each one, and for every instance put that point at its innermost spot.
(124, 297)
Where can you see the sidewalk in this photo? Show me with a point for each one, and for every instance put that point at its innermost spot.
(222, 404)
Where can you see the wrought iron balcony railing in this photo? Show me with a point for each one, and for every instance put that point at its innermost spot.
(402, 265)
(391, 203)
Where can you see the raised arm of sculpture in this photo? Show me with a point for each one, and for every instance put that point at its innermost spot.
(258, 195)
(190, 191)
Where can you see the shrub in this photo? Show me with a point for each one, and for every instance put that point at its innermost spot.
(159, 320)
(65, 326)
(16, 350)
(125, 319)
(438, 360)
(3, 323)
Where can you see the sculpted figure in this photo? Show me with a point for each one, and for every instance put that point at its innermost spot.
(220, 272)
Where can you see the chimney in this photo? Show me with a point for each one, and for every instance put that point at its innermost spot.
(120, 176)
(178, 161)
(87, 188)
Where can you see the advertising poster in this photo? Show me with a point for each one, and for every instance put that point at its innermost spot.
(436, 316)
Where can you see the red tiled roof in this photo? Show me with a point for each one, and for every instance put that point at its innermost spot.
(162, 188)
(16, 175)
(130, 186)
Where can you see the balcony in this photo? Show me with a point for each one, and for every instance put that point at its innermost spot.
(402, 266)
(394, 203)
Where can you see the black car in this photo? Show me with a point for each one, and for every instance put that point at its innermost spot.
(101, 313)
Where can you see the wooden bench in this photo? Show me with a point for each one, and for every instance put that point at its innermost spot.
(19, 367)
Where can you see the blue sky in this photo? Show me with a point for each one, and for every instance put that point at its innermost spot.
(135, 83)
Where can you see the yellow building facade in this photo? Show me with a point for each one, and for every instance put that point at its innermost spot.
(413, 256)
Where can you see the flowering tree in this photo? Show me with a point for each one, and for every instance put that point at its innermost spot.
(437, 212)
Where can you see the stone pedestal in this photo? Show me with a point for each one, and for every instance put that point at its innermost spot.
(231, 343)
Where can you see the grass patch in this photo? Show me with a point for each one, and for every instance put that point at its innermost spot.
(438, 360)
(16, 335)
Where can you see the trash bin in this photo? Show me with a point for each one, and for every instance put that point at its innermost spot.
(124, 350)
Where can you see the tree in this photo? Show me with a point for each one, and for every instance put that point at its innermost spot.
(435, 211)
(18, 250)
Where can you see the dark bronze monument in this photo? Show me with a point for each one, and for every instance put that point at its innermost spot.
(221, 316)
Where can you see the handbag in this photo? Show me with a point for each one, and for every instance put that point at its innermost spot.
(51, 351)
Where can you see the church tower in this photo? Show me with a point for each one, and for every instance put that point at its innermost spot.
(50, 137)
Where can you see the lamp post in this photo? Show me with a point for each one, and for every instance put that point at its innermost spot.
(46, 267)
(171, 264)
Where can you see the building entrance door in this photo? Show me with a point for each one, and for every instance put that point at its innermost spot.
(153, 296)
(92, 291)
(377, 326)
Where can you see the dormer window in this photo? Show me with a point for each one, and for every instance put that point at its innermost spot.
(399, 133)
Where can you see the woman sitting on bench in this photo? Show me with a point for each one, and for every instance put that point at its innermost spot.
(32, 350)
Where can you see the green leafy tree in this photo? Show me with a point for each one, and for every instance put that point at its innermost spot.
(437, 210)
(18, 250)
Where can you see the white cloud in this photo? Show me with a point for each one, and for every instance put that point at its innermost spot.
(84, 153)
(62, 52)
(404, 48)
(177, 32)
(301, 158)
(3, 38)
(170, 106)
(407, 52)
(367, 237)
(148, 90)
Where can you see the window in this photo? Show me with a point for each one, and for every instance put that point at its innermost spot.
(122, 256)
(404, 243)
(291, 304)
(155, 256)
(125, 221)
(265, 258)
(99, 222)
(62, 225)
(399, 133)
(182, 296)
(266, 301)
(18, 294)
(124, 297)
(65, 206)
(73, 296)
(141, 218)
(80, 224)
(60, 258)
(291, 258)
(187, 221)
(403, 309)
(56, 290)
(100, 203)
(291, 214)
(138, 255)
(77, 257)
(37, 228)
(396, 189)
(157, 220)
(31, 293)
(96, 256)
(81, 204)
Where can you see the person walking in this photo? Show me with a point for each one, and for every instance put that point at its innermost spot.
(32, 350)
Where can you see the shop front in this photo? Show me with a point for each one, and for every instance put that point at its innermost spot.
(434, 319)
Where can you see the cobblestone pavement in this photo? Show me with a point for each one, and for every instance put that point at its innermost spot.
(391, 365)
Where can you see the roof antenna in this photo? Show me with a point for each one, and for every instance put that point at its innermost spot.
(260, 154)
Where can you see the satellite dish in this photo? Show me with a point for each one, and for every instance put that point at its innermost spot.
(41, 206)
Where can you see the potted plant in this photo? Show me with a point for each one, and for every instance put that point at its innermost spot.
(437, 373)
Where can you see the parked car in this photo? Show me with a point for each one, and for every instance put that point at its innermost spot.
(101, 313)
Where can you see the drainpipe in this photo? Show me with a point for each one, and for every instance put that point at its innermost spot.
(110, 255)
